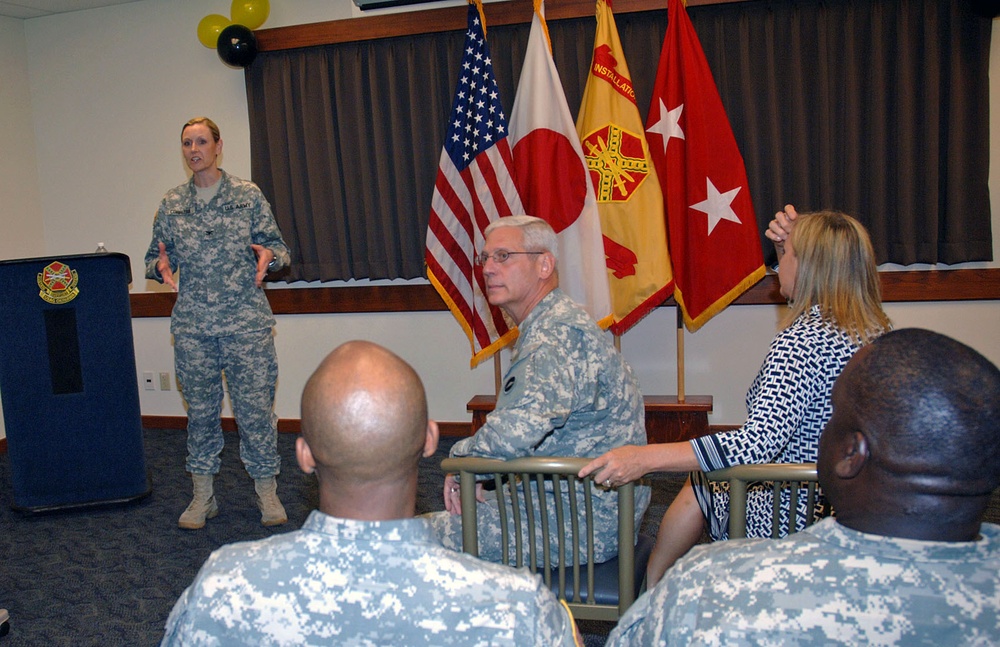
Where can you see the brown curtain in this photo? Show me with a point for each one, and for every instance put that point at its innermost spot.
(875, 107)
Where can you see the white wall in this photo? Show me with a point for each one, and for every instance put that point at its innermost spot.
(21, 231)
(20, 210)
(109, 90)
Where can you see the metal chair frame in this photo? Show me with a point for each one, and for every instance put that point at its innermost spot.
(791, 476)
(536, 471)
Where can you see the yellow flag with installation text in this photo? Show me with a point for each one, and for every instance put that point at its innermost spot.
(629, 197)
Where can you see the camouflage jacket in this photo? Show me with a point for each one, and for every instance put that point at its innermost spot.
(209, 245)
(826, 585)
(347, 582)
(567, 392)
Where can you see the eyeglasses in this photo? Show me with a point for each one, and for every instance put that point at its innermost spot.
(499, 256)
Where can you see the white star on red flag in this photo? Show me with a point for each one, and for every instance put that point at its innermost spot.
(718, 206)
(668, 125)
(701, 170)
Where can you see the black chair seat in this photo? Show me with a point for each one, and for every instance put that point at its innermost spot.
(605, 576)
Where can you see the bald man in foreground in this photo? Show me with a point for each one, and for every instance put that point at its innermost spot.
(909, 461)
(363, 569)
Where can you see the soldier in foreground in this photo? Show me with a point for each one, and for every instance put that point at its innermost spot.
(909, 461)
(363, 569)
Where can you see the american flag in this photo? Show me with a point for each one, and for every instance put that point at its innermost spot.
(474, 186)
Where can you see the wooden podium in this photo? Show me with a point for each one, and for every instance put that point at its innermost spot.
(667, 420)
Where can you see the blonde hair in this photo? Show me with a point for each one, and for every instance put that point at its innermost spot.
(837, 272)
(216, 135)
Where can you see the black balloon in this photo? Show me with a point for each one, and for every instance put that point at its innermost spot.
(237, 46)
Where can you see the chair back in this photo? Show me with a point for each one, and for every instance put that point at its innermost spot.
(791, 477)
(592, 591)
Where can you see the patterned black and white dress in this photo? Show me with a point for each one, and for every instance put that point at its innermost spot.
(788, 404)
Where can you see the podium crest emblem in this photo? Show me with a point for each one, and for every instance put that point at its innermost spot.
(58, 283)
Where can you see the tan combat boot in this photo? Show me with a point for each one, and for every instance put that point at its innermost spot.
(202, 506)
(272, 513)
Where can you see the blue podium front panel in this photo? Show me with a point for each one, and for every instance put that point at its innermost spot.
(68, 382)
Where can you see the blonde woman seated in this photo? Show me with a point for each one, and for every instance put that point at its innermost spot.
(828, 274)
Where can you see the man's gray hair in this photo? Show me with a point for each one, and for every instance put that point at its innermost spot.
(538, 234)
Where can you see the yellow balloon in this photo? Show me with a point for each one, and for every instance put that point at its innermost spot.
(250, 13)
(209, 28)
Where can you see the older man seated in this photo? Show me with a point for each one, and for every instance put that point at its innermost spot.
(567, 392)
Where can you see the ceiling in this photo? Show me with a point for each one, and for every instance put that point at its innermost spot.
(36, 8)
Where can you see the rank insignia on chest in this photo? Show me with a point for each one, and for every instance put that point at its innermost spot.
(509, 384)
(58, 283)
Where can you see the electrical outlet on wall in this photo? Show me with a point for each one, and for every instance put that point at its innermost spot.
(164, 381)
(147, 381)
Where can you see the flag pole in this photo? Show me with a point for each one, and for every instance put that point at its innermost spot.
(680, 354)
(497, 376)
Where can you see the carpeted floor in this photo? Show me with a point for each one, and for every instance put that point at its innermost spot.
(109, 576)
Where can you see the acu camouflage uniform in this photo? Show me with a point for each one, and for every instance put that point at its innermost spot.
(347, 582)
(826, 585)
(568, 392)
(222, 322)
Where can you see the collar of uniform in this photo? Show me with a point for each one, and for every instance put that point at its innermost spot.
(880, 548)
(543, 306)
(224, 183)
(412, 530)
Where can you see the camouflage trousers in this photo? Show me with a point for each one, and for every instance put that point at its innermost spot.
(448, 527)
(250, 365)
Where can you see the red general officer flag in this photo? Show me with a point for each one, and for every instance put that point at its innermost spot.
(552, 174)
(712, 230)
(474, 186)
(629, 198)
